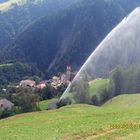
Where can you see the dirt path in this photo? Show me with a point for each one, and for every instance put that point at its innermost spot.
(106, 132)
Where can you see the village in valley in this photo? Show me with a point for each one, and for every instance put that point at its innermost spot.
(55, 83)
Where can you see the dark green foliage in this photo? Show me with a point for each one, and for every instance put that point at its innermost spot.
(18, 18)
(16, 72)
(50, 92)
(7, 113)
(27, 100)
(95, 100)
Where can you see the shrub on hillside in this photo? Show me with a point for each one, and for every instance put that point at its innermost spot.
(101, 97)
(80, 91)
(7, 112)
(27, 101)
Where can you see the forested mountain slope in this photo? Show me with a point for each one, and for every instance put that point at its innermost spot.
(17, 15)
(68, 36)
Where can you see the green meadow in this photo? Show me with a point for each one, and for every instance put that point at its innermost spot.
(118, 119)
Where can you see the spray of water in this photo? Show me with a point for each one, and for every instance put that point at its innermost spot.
(120, 47)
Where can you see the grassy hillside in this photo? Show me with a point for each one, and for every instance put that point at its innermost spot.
(125, 101)
(75, 122)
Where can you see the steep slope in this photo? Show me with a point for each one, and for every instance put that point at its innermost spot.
(120, 47)
(56, 41)
(17, 15)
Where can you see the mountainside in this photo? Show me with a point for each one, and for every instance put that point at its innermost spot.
(68, 37)
(17, 15)
(120, 47)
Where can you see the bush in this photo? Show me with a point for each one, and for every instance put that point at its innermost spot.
(48, 93)
(80, 91)
(27, 101)
(64, 102)
(7, 113)
(95, 100)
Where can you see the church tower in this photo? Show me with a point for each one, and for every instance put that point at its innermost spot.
(68, 73)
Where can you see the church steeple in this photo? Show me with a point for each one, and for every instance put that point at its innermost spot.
(68, 73)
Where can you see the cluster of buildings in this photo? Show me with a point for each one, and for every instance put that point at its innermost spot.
(66, 78)
(32, 84)
(55, 82)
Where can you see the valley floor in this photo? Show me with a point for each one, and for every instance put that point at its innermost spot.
(118, 119)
